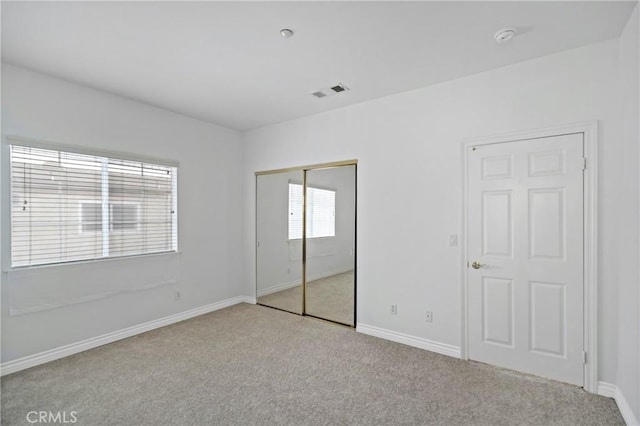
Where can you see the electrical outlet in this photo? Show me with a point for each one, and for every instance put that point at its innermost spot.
(453, 240)
(394, 309)
(177, 295)
(429, 316)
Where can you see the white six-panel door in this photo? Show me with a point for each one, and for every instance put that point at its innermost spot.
(525, 235)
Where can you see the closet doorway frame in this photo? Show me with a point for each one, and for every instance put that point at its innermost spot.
(304, 170)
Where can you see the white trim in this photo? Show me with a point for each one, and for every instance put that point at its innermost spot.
(590, 201)
(96, 260)
(174, 207)
(607, 389)
(74, 348)
(464, 270)
(612, 391)
(418, 342)
(249, 299)
(590, 262)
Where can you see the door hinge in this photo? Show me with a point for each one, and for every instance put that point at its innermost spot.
(584, 357)
(584, 163)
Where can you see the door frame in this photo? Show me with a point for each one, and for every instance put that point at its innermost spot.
(590, 232)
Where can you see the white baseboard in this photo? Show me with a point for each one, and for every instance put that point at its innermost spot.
(249, 299)
(73, 348)
(607, 389)
(612, 391)
(418, 342)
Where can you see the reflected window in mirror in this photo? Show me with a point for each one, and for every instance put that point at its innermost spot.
(321, 212)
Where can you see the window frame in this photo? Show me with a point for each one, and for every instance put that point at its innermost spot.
(6, 214)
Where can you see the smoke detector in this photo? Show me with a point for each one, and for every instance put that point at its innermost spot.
(504, 35)
(329, 91)
(286, 33)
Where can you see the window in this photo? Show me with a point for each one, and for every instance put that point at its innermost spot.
(91, 213)
(321, 212)
(124, 216)
(67, 206)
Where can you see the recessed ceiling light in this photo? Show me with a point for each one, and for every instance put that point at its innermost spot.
(286, 33)
(505, 35)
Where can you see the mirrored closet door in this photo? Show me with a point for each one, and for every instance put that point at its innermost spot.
(279, 256)
(306, 241)
(330, 244)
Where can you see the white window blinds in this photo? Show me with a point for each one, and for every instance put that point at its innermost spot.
(295, 211)
(321, 212)
(67, 207)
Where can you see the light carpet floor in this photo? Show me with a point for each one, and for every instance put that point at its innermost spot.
(331, 298)
(251, 365)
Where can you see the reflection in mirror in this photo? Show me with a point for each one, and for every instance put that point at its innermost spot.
(278, 256)
(330, 257)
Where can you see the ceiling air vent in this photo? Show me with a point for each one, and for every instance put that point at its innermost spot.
(329, 91)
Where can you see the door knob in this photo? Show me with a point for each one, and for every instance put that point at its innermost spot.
(476, 265)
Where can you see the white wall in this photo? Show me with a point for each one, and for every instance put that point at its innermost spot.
(409, 191)
(409, 179)
(41, 107)
(628, 380)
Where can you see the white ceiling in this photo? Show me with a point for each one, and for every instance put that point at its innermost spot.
(225, 62)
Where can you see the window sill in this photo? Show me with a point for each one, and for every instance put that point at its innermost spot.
(90, 261)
